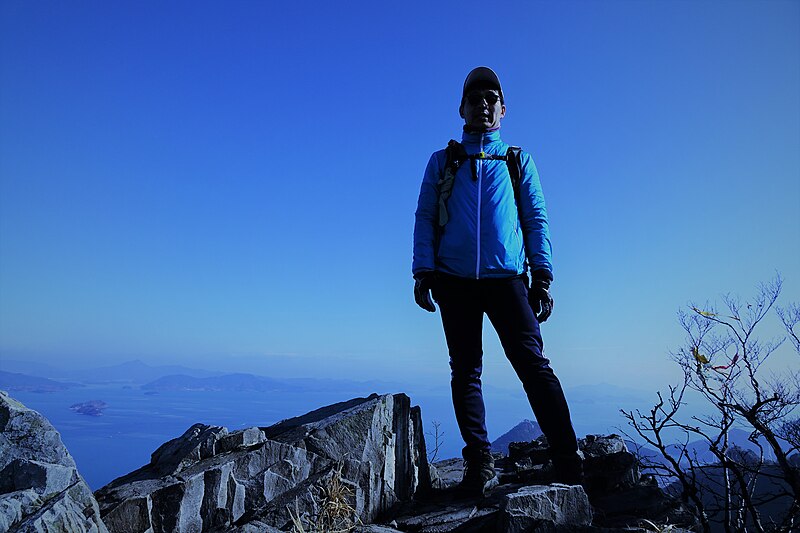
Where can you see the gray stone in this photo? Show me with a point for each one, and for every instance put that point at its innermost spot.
(256, 526)
(374, 528)
(599, 445)
(446, 518)
(208, 479)
(447, 473)
(212, 493)
(240, 439)
(40, 488)
(535, 452)
(560, 505)
(197, 443)
(14, 507)
(44, 478)
(608, 464)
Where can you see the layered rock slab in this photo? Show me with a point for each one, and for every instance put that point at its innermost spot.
(259, 479)
(40, 487)
(564, 507)
(509, 508)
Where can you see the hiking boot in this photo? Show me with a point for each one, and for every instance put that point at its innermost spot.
(479, 475)
(568, 469)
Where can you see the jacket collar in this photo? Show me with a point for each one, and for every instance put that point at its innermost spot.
(475, 137)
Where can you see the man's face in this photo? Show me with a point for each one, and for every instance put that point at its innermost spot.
(482, 109)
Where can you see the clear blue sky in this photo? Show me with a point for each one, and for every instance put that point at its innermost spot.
(233, 184)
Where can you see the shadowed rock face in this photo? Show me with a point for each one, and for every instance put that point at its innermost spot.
(210, 479)
(40, 488)
(613, 498)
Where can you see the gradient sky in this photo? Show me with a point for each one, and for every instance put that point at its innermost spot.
(232, 184)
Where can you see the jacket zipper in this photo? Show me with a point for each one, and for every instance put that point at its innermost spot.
(478, 236)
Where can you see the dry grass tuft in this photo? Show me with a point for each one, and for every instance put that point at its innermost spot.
(334, 512)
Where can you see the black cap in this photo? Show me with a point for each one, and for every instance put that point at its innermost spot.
(484, 76)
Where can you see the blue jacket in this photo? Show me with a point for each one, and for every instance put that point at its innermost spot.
(485, 237)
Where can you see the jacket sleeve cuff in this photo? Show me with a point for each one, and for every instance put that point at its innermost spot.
(422, 274)
(542, 274)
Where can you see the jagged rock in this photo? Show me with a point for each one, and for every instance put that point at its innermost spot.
(510, 507)
(374, 528)
(527, 462)
(608, 464)
(259, 479)
(197, 443)
(446, 473)
(602, 445)
(40, 488)
(455, 516)
(368, 451)
(619, 495)
(241, 439)
(558, 505)
(257, 526)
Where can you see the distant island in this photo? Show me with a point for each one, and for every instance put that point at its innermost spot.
(12, 381)
(168, 378)
(90, 408)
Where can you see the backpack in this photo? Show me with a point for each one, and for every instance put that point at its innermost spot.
(455, 156)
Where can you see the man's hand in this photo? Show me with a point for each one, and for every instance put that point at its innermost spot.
(539, 297)
(422, 291)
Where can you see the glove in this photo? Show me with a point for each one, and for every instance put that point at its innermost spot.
(539, 295)
(423, 282)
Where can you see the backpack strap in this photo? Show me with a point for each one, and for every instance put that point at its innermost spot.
(514, 162)
(455, 155)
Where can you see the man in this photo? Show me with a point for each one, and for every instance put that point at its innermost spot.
(475, 235)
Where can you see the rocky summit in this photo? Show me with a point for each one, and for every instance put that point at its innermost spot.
(40, 488)
(371, 450)
(613, 498)
(357, 466)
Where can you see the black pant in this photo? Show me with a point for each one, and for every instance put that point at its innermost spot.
(462, 303)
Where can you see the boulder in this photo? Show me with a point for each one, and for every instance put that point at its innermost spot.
(559, 506)
(364, 456)
(527, 462)
(509, 507)
(197, 443)
(40, 487)
(620, 496)
(446, 473)
(446, 517)
(608, 464)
